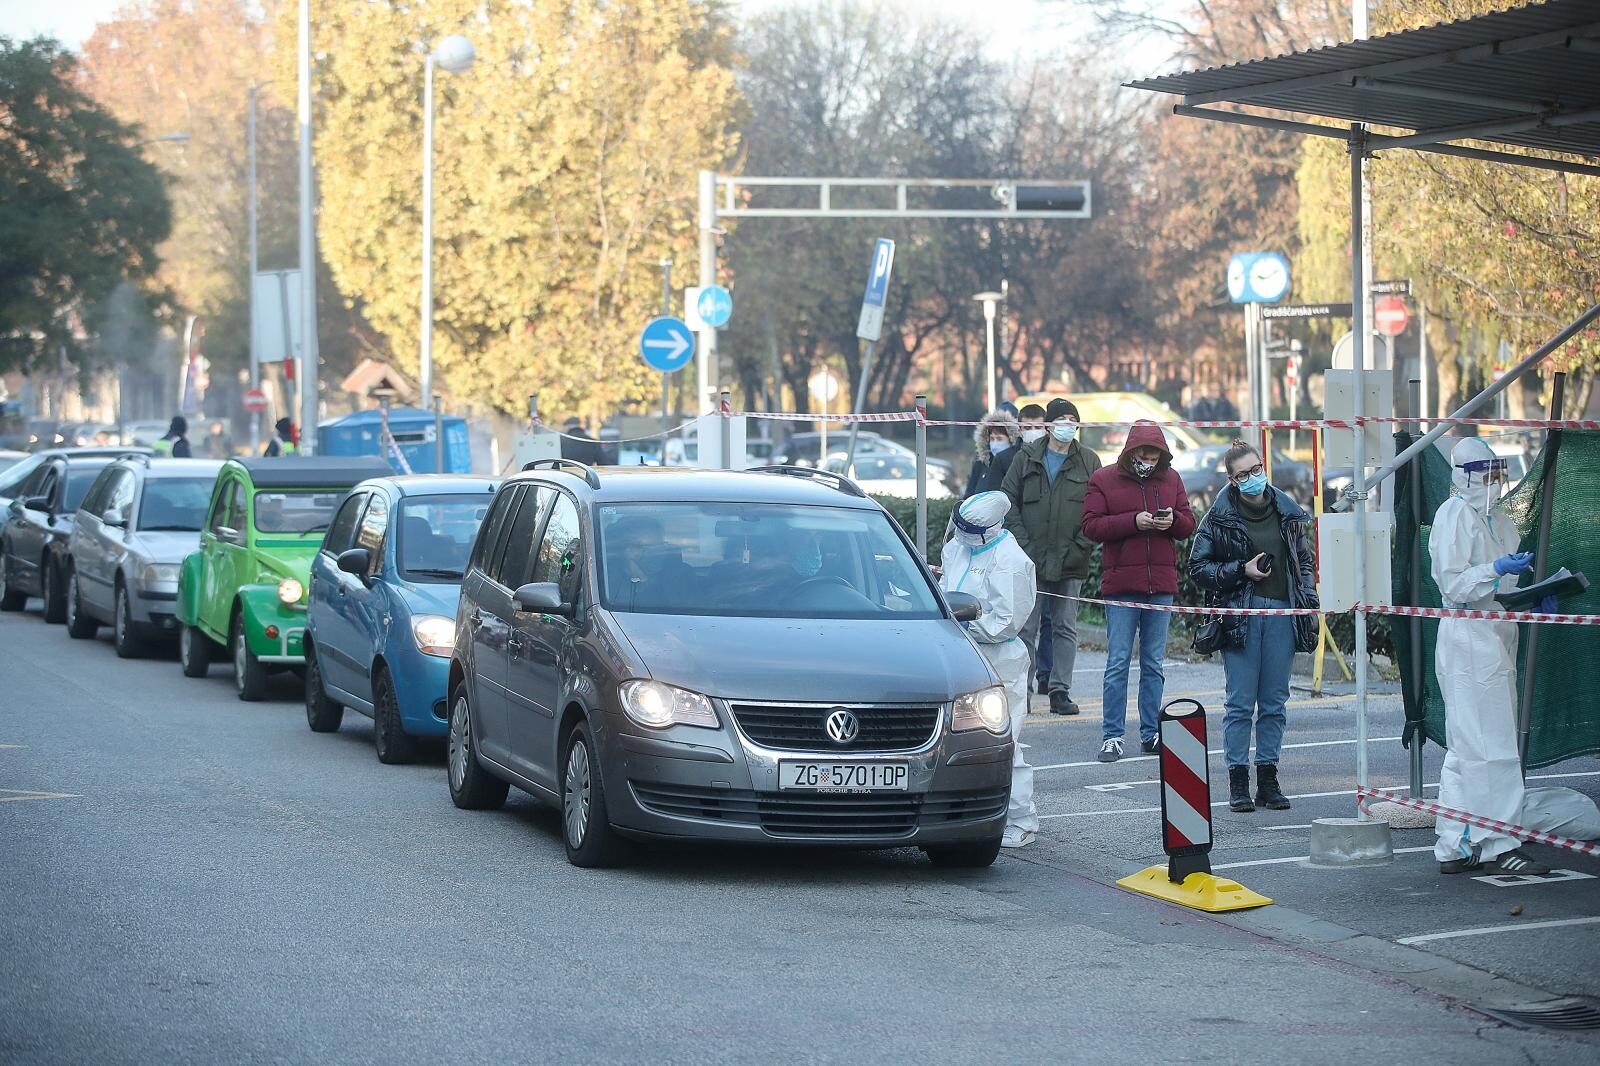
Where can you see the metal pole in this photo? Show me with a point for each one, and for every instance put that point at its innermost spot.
(708, 276)
(922, 475)
(425, 358)
(988, 324)
(438, 434)
(725, 409)
(1419, 667)
(822, 455)
(255, 353)
(1424, 408)
(1359, 360)
(666, 309)
(861, 402)
(1541, 557)
(1251, 369)
(308, 249)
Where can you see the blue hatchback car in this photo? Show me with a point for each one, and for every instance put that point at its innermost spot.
(381, 624)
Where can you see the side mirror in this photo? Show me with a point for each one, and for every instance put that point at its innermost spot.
(541, 597)
(964, 607)
(229, 535)
(37, 503)
(114, 519)
(355, 562)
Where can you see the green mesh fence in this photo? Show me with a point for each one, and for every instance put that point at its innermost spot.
(1565, 720)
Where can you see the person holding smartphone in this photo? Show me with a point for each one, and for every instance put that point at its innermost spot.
(1253, 549)
(1138, 510)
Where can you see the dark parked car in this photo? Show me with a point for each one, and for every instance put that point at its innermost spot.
(33, 543)
(671, 654)
(1204, 474)
(805, 449)
(12, 477)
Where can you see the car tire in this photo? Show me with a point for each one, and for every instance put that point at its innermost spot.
(585, 824)
(249, 673)
(53, 592)
(393, 743)
(79, 625)
(124, 637)
(964, 856)
(194, 651)
(11, 599)
(472, 786)
(323, 712)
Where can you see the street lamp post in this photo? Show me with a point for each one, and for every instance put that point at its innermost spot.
(991, 301)
(310, 368)
(455, 54)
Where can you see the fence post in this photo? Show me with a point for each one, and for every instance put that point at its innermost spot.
(438, 434)
(1541, 558)
(922, 476)
(725, 409)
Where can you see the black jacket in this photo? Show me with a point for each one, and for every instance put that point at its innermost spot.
(1222, 547)
(990, 476)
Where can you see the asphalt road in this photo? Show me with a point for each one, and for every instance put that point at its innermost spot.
(188, 878)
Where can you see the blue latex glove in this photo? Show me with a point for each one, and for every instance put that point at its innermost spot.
(1515, 563)
(1548, 606)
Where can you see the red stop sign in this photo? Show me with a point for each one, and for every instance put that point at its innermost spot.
(1390, 316)
(255, 400)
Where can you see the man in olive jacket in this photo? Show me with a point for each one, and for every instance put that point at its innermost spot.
(1046, 483)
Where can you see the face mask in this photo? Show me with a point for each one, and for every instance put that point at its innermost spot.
(1031, 435)
(998, 446)
(1254, 485)
(1063, 432)
(808, 562)
(1142, 468)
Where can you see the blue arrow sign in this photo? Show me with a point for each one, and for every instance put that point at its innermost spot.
(666, 344)
(715, 306)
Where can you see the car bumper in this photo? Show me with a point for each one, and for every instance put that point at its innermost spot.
(154, 608)
(420, 683)
(722, 787)
(275, 631)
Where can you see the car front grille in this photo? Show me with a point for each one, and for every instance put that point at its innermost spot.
(803, 814)
(804, 727)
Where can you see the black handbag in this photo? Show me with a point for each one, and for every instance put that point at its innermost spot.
(1208, 635)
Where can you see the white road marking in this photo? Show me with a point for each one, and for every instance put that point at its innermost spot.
(1218, 751)
(1119, 786)
(1554, 877)
(1487, 929)
(1275, 828)
(1302, 858)
(15, 794)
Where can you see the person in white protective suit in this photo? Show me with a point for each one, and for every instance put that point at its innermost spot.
(1473, 547)
(985, 561)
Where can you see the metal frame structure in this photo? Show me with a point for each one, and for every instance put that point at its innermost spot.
(1007, 192)
(1527, 78)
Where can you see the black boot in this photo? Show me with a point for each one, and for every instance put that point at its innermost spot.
(1239, 789)
(1268, 794)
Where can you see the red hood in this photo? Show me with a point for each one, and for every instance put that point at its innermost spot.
(1144, 434)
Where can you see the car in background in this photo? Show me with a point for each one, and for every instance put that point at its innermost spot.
(134, 528)
(147, 432)
(1120, 407)
(380, 626)
(736, 656)
(12, 477)
(1205, 475)
(244, 588)
(9, 458)
(887, 475)
(805, 449)
(38, 526)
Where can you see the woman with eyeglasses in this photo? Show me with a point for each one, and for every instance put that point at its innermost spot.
(1253, 549)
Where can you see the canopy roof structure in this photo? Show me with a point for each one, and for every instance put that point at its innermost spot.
(1526, 78)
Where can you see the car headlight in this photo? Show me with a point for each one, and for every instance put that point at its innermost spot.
(650, 703)
(435, 634)
(290, 590)
(985, 709)
(159, 574)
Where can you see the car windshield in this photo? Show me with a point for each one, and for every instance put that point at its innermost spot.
(175, 504)
(78, 481)
(295, 512)
(758, 561)
(436, 535)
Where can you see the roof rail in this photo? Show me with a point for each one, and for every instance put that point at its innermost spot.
(834, 481)
(589, 473)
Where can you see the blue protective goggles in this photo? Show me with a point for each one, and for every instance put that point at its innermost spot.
(1485, 466)
(972, 529)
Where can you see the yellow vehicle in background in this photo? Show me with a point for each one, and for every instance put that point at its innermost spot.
(1106, 442)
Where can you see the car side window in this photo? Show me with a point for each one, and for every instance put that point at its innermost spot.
(228, 511)
(342, 531)
(48, 480)
(513, 568)
(504, 506)
(219, 506)
(118, 495)
(560, 556)
(372, 531)
(94, 501)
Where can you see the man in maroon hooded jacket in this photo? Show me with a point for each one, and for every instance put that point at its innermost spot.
(1138, 511)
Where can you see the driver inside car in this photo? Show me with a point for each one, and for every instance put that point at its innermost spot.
(649, 569)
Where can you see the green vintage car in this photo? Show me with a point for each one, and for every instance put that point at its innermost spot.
(245, 588)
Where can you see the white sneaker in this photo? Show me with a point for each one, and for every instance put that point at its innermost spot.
(1111, 750)
(1017, 838)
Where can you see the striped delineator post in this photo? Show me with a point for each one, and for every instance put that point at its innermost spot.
(1186, 821)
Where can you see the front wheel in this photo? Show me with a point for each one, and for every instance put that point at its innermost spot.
(394, 744)
(323, 713)
(194, 651)
(586, 827)
(53, 593)
(249, 673)
(965, 856)
(79, 625)
(127, 640)
(472, 788)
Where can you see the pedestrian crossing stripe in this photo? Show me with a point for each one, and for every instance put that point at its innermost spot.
(12, 795)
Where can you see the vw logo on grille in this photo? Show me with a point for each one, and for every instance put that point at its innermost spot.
(843, 726)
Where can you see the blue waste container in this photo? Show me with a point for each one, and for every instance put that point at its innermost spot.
(412, 428)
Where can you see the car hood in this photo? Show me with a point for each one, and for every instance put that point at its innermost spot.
(163, 546)
(807, 659)
(431, 598)
(283, 561)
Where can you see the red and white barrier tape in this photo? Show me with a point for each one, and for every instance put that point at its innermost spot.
(1270, 612)
(1482, 616)
(1521, 832)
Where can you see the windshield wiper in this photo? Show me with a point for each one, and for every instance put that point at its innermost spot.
(434, 571)
(169, 529)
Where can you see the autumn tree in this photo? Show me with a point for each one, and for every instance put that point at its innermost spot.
(82, 213)
(565, 163)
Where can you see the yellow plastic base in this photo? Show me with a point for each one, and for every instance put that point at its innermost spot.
(1203, 892)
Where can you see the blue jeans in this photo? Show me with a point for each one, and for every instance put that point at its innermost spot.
(1257, 687)
(1122, 623)
(1047, 657)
